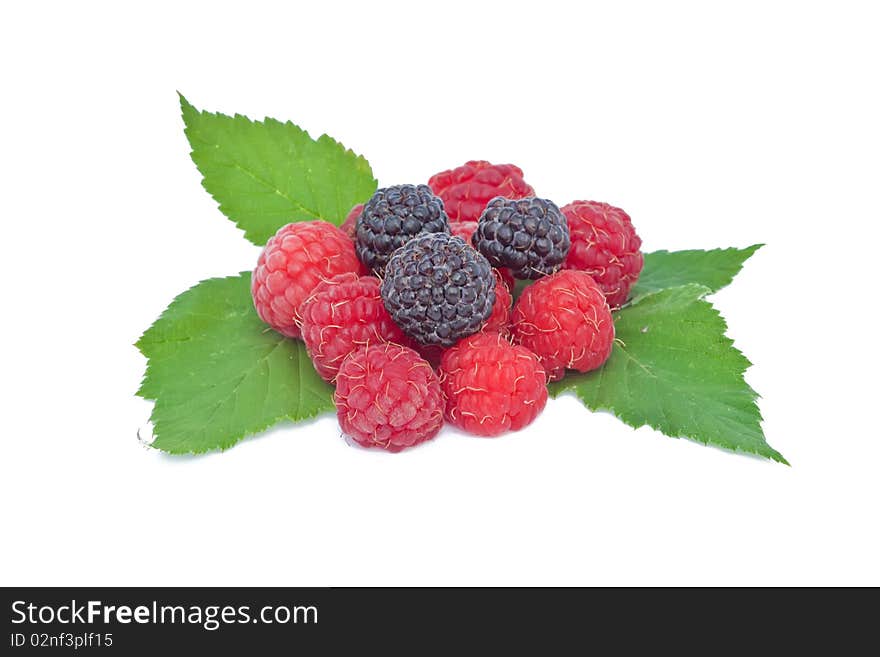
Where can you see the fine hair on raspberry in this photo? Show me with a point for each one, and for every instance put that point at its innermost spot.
(491, 385)
(565, 320)
(604, 244)
(388, 397)
(499, 320)
(466, 190)
(341, 315)
(294, 260)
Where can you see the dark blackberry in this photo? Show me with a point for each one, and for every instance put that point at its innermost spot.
(438, 289)
(392, 217)
(529, 235)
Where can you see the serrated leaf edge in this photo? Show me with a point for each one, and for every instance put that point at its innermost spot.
(186, 106)
(237, 438)
(748, 250)
(561, 387)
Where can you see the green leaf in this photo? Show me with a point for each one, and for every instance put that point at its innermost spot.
(714, 269)
(218, 374)
(265, 174)
(673, 369)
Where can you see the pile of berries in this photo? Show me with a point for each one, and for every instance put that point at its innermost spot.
(408, 310)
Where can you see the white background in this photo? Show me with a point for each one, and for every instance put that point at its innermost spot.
(711, 126)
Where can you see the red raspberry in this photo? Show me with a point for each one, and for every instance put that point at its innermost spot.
(467, 189)
(605, 245)
(341, 315)
(388, 396)
(464, 229)
(507, 277)
(565, 320)
(499, 320)
(349, 226)
(294, 261)
(492, 386)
